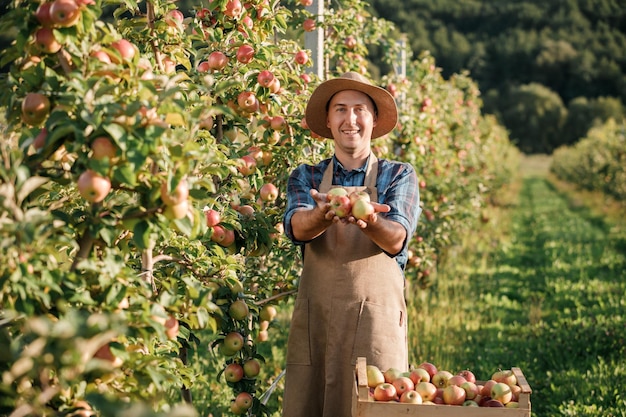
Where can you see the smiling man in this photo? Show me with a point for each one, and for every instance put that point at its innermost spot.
(350, 299)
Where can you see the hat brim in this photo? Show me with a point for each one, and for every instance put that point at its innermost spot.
(316, 112)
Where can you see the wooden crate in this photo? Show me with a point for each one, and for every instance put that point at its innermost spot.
(362, 406)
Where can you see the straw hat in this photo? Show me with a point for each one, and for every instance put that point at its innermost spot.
(316, 111)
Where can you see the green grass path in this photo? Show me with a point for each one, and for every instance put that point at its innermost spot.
(544, 288)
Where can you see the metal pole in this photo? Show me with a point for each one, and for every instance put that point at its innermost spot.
(314, 41)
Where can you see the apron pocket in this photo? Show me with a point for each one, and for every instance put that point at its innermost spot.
(381, 336)
(299, 350)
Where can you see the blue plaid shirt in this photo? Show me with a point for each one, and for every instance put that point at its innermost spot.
(396, 184)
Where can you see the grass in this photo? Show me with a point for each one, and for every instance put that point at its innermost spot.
(540, 286)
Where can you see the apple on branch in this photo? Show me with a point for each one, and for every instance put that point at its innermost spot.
(92, 186)
(35, 109)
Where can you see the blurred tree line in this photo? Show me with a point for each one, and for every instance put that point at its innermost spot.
(549, 70)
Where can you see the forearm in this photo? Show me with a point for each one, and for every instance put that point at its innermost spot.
(387, 234)
(309, 224)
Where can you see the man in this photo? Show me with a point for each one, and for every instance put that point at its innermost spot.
(350, 299)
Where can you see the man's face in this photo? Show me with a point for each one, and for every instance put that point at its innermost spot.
(351, 118)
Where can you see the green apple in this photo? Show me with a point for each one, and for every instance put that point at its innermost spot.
(374, 376)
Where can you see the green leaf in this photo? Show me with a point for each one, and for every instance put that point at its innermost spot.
(141, 234)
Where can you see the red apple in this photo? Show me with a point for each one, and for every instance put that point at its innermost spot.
(306, 3)
(219, 234)
(411, 397)
(213, 217)
(493, 403)
(427, 390)
(248, 102)
(229, 238)
(64, 13)
(234, 341)
(440, 379)
(171, 327)
(268, 192)
(301, 57)
(174, 18)
(217, 61)
(102, 147)
(233, 372)
(245, 53)
(385, 392)
(101, 56)
(350, 42)
(309, 25)
(453, 395)
(43, 14)
(175, 196)
(126, 50)
(251, 368)
(92, 186)
(418, 375)
(35, 109)
(456, 380)
(243, 400)
(246, 165)
(265, 78)
(278, 123)
(471, 390)
(468, 375)
(233, 8)
(340, 205)
(505, 375)
(486, 391)
(501, 392)
(403, 384)
(362, 209)
(40, 140)
(430, 368)
(46, 41)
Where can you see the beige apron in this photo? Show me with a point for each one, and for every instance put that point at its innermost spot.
(350, 303)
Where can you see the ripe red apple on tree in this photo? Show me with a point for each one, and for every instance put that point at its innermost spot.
(217, 61)
(246, 165)
(248, 102)
(265, 78)
(233, 372)
(278, 123)
(126, 50)
(213, 217)
(309, 25)
(46, 41)
(234, 341)
(350, 42)
(176, 196)
(102, 147)
(40, 140)
(233, 8)
(92, 186)
(243, 401)
(64, 13)
(171, 327)
(173, 18)
(306, 3)
(42, 14)
(268, 192)
(301, 57)
(245, 53)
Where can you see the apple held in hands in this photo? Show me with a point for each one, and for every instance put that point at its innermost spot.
(362, 209)
(339, 201)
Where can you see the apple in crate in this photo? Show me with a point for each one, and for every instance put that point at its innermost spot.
(374, 376)
(427, 390)
(411, 397)
(453, 395)
(403, 384)
(418, 375)
(385, 392)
